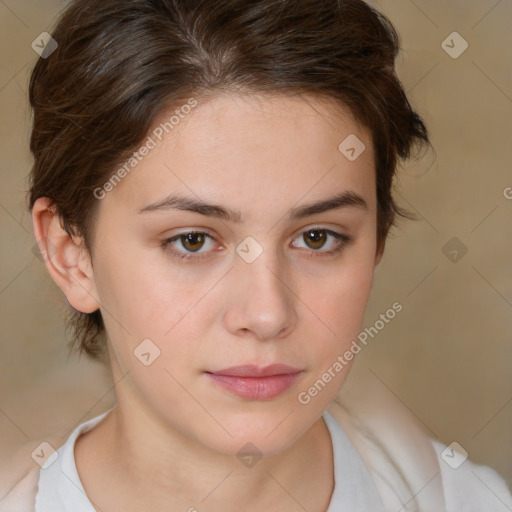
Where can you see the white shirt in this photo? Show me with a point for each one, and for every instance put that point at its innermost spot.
(365, 478)
(60, 488)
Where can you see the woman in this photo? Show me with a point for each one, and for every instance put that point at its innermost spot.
(212, 193)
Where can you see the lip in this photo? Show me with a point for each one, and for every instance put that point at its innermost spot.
(256, 383)
(251, 370)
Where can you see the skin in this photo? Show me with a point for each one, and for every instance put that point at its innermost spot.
(173, 438)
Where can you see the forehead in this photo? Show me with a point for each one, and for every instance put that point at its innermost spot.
(228, 117)
(251, 149)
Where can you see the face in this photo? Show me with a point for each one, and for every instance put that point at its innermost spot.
(263, 286)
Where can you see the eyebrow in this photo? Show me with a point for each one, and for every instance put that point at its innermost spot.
(342, 200)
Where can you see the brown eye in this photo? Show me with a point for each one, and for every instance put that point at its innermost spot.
(315, 238)
(192, 241)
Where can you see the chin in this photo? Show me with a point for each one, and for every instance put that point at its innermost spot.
(266, 436)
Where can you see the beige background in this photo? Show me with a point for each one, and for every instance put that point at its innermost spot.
(446, 356)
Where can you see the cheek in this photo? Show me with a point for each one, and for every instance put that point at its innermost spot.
(338, 308)
(150, 297)
(341, 306)
(147, 298)
(343, 297)
(140, 292)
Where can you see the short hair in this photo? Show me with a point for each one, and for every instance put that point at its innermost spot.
(121, 63)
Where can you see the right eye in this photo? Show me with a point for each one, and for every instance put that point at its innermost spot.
(190, 240)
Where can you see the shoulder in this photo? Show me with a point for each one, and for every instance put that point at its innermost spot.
(469, 486)
(20, 471)
(19, 478)
(409, 468)
(21, 497)
(43, 473)
(398, 455)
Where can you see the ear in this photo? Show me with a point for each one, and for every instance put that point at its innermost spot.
(65, 258)
(380, 251)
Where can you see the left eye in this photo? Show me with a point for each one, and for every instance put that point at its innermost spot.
(316, 238)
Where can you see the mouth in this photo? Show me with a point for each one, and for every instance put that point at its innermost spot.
(256, 383)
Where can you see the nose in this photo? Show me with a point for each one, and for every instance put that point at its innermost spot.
(261, 300)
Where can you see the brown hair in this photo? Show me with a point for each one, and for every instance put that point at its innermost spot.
(120, 63)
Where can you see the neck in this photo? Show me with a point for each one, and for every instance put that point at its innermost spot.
(168, 470)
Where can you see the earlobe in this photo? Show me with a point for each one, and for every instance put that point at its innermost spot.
(65, 257)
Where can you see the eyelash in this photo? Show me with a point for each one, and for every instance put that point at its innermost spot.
(344, 241)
